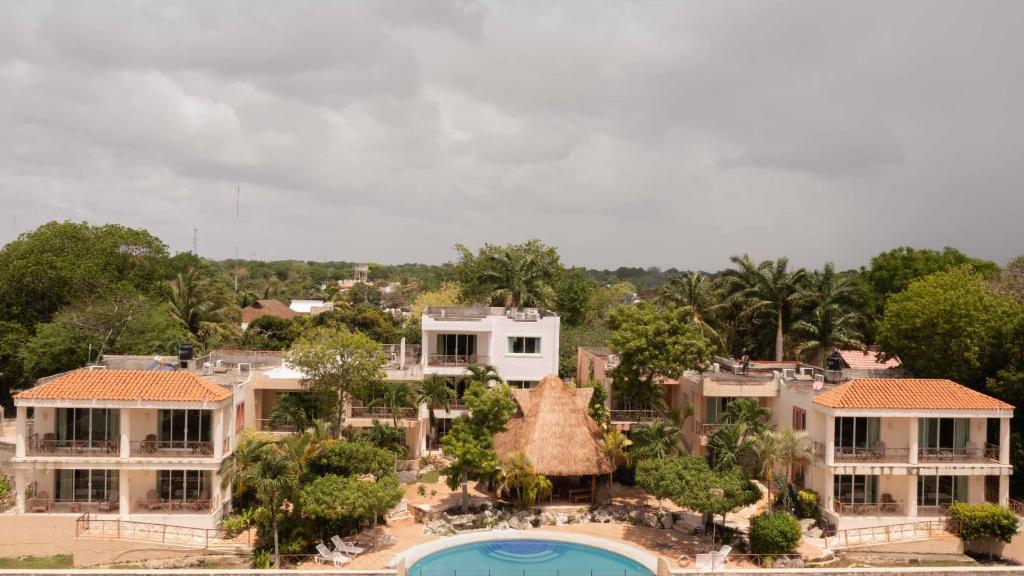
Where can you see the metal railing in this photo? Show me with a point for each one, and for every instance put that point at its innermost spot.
(704, 429)
(1017, 506)
(889, 533)
(382, 412)
(642, 415)
(268, 425)
(887, 454)
(873, 454)
(455, 360)
(88, 525)
(457, 312)
(171, 448)
(987, 453)
(51, 446)
(393, 353)
(866, 509)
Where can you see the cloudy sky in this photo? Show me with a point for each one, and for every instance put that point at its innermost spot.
(626, 133)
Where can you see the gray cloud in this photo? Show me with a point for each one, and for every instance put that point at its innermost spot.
(638, 133)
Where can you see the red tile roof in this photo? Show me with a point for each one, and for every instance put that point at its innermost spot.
(907, 394)
(267, 308)
(131, 385)
(866, 360)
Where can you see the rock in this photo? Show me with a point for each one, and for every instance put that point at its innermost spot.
(502, 526)
(462, 520)
(603, 517)
(561, 518)
(515, 523)
(667, 522)
(407, 477)
(649, 519)
(523, 514)
(806, 524)
(634, 517)
(547, 519)
(796, 563)
(814, 533)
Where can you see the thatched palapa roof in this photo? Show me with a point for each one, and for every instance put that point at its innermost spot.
(553, 427)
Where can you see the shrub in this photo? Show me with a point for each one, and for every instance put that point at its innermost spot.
(774, 533)
(235, 524)
(807, 503)
(978, 521)
(262, 559)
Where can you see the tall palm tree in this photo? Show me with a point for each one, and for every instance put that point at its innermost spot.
(794, 448)
(748, 412)
(657, 439)
(244, 456)
(394, 398)
(766, 288)
(783, 448)
(615, 449)
(828, 328)
(275, 479)
(732, 446)
(699, 299)
(434, 392)
(483, 374)
(766, 451)
(516, 279)
(201, 308)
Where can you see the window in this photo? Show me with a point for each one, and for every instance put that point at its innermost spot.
(799, 474)
(85, 485)
(183, 428)
(524, 345)
(523, 384)
(941, 490)
(240, 417)
(855, 488)
(799, 419)
(942, 434)
(856, 432)
(88, 427)
(183, 485)
(456, 345)
(715, 408)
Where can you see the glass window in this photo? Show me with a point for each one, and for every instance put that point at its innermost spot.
(799, 419)
(856, 432)
(855, 488)
(88, 427)
(941, 490)
(715, 408)
(523, 384)
(183, 485)
(85, 485)
(524, 345)
(456, 344)
(942, 433)
(183, 428)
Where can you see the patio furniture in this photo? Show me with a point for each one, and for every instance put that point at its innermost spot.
(203, 503)
(112, 502)
(723, 554)
(149, 444)
(346, 548)
(888, 504)
(324, 554)
(76, 506)
(971, 450)
(48, 443)
(878, 450)
(39, 503)
(152, 501)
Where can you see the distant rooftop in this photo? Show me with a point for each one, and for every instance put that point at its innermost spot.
(127, 385)
(267, 308)
(866, 360)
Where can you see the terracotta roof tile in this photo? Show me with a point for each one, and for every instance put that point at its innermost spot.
(907, 394)
(267, 308)
(866, 360)
(131, 385)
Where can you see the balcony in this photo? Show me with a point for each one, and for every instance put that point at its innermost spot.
(152, 448)
(393, 352)
(989, 454)
(50, 445)
(455, 360)
(876, 509)
(644, 415)
(383, 412)
(969, 453)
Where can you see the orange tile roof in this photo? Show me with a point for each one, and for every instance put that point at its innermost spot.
(866, 360)
(131, 385)
(267, 308)
(907, 394)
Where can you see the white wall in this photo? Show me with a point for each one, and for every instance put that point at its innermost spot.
(492, 341)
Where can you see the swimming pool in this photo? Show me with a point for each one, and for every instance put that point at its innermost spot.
(526, 557)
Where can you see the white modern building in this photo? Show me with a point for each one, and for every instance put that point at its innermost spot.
(124, 444)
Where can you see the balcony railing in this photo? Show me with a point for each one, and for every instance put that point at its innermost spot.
(874, 454)
(988, 453)
(642, 415)
(48, 445)
(382, 412)
(394, 353)
(455, 360)
(704, 429)
(868, 509)
(886, 454)
(171, 448)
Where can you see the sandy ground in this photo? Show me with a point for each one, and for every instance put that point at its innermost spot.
(669, 544)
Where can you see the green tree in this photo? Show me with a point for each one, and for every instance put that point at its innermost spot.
(774, 533)
(1011, 279)
(512, 276)
(572, 296)
(653, 345)
(950, 325)
(828, 328)
(471, 453)
(655, 440)
(348, 499)
(335, 361)
(661, 477)
(484, 375)
(268, 333)
(700, 300)
(352, 459)
(364, 294)
(204, 308)
(518, 479)
(734, 443)
(489, 408)
(274, 478)
(767, 288)
(615, 447)
(435, 393)
(986, 520)
(391, 438)
(396, 397)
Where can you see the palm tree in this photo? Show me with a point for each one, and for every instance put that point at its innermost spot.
(512, 475)
(614, 448)
(766, 288)
(784, 448)
(275, 479)
(732, 446)
(832, 322)
(701, 302)
(244, 456)
(748, 412)
(201, 308)
(434, 392)
(395, 397)
(658, 439)
(516, 279)
(794, 449)
(485, 375)
(766, 451)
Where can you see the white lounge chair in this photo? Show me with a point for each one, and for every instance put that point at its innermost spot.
(345, 548)
(723, 553)
(336, 558)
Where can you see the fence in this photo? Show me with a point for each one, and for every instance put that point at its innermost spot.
(890, 533)
(89, 526)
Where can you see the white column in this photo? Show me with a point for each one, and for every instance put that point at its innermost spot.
(911, 495)
(126, 433)
(21, 431)
(830, 440)
(401, 354)
(19, 485)
(1004, 490)
(913, 444)
(124, 489)
(218, 433)
(1004, 442)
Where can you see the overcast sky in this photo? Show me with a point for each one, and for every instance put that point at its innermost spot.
(625, 133)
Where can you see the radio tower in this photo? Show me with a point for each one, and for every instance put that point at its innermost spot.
(195, 241)
(238, 201)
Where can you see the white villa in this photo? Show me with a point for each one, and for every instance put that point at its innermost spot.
(130, 444)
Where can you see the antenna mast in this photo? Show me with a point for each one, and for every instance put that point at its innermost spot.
(195, 241)
(238, 202)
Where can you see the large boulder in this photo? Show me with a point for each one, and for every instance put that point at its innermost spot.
(667, 521)
(649, 519)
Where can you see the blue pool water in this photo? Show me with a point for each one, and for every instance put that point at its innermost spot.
(526, 557)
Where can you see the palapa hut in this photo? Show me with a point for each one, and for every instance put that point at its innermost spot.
(554, 428)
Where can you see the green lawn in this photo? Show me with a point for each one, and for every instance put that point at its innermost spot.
(34, 562)
(430, 477)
